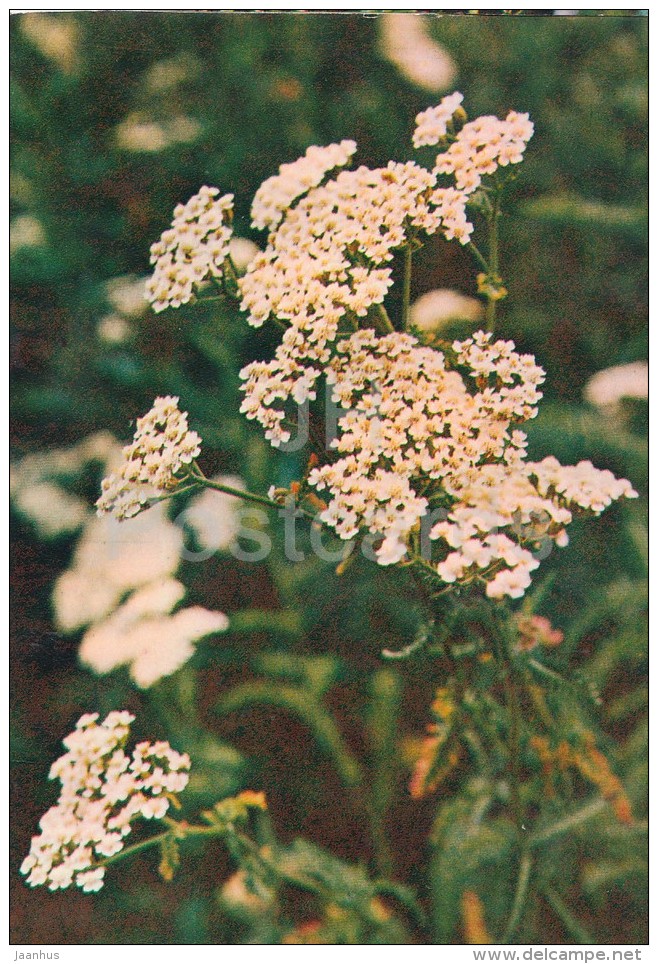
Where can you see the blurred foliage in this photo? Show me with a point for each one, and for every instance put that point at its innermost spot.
(297, 700)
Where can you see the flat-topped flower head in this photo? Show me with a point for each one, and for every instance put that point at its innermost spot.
(424, 428)
(483, 145)
(104, 790)
(277, 193)
(151, 465)
(194, 248)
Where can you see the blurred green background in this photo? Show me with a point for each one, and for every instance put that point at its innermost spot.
(118, 116)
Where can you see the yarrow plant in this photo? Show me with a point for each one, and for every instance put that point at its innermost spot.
(425, 431)
(426, 465)
(194, 248)
(161, 448)
(103, 791)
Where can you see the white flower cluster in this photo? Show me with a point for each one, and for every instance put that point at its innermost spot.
(504, 505)
(162, 446)
(276, 194)
(103, 791)
(424, 431)
(484, 144)
(192, 249)
(410, 418)
(328, 261)
(426, 435)
(432, 124)
(480, 147)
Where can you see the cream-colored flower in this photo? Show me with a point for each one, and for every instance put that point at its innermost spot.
(161, 449)
(436, 308)
(404, 41)
(193, 249)
(143, 635)
(608, 387)
(112, 558)
(103, 792)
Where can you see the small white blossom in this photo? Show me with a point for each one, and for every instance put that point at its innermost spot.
(103, 790)
(483, 145)
(162, 446)
(608, 387)
(432, 124)
(194, 248)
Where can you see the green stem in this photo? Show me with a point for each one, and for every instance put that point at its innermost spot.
(514, 712)
(478, 256)
(180, 488)
(135, 849)
(568, 823)
(179, 831)
(382, 321)
(201, 479)
(520, 896)
(406, 289)
(573, 926)
(493, 262)
(383, 727)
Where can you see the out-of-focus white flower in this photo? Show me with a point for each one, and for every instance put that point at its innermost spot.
(56, 36)
(164, 75)
(38, 483)
(112, 558)
(435, 308)
(103, 791)
(143, 636)
(113, 329)
(53, 510)
(139, 133)
(26, 231)
(242, 251)
(609, 386)
(405, 42)
(215, 516)
(126, 295)
(182, 129)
